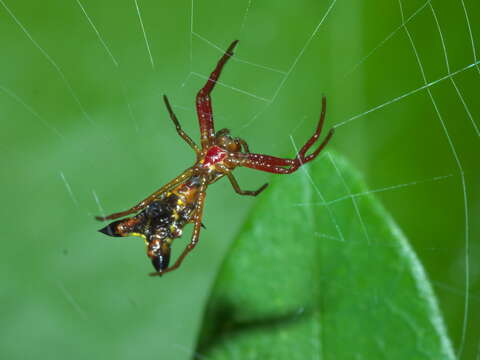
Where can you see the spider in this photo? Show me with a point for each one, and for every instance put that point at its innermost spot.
(161, 217)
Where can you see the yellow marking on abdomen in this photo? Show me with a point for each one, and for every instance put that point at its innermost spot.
(139, 235)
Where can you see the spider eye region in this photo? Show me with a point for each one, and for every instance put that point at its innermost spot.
(214, 155)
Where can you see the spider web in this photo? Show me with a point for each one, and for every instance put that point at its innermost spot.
(84, 132)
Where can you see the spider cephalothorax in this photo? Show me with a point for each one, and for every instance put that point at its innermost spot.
(161, 217)
(227, 142)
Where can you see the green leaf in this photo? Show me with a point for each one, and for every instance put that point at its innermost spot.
(321, 271)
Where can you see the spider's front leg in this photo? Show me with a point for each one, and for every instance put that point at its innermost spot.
(196, 229)
(204, 105)
(277, 165)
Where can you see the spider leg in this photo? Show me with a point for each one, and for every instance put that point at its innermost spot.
(196, 229)
(145, 202)
(235, 185)
(180, 131)
(204, 105)
(277, 165)
(226, 171)
(315, 136)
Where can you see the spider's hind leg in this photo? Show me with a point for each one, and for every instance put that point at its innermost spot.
(145, 202)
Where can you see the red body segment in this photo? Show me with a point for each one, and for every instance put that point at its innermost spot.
(214, 155)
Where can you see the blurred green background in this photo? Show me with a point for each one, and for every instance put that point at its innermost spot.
(84, 131)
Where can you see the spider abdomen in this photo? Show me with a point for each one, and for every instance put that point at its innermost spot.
(161, 221)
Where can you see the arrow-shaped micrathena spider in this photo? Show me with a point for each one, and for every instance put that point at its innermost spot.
(162, 216)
